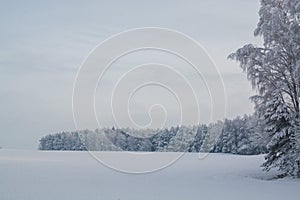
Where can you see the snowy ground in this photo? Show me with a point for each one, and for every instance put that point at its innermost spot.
(76, 175)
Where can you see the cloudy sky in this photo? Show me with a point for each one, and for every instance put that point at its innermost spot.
(43, 44)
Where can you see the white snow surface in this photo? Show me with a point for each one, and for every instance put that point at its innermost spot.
(30, 175)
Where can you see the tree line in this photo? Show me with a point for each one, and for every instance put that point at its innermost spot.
(241, 135)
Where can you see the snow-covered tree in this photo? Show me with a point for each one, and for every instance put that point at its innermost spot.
(199, 138)
(161, 140)
(183, 139)
(274, 70)
(211, 138)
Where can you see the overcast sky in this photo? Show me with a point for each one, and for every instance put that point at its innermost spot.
(43, 44)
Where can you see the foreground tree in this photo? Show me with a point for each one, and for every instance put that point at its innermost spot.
(274, 71)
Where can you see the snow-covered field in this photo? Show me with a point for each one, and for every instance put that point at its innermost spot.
(76, 175)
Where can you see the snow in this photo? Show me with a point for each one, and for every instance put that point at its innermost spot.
(61, 175)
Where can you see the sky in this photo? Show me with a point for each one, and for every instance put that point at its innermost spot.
(44, 43)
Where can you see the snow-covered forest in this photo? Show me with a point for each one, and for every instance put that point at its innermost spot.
(241, 135)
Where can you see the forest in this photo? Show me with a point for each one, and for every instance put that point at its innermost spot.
(241, 135)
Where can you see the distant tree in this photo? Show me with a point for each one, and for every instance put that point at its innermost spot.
(274, 71)
(199, 138)
(162, 138)
(211, 138)
(183, 139)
